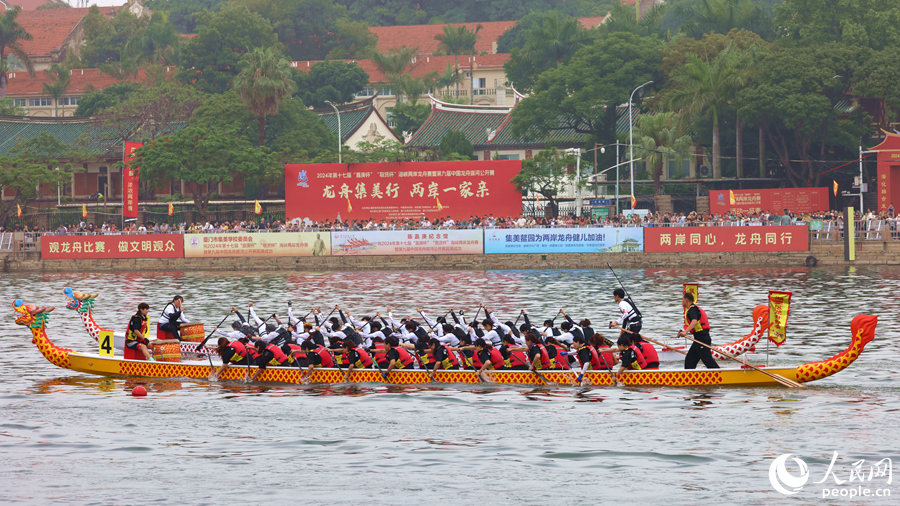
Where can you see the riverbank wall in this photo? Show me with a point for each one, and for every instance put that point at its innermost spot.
(825, 254)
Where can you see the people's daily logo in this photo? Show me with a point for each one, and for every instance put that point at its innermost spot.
(782, 480)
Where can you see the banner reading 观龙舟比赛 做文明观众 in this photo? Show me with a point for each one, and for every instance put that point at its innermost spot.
(277, 244)
(111, 246)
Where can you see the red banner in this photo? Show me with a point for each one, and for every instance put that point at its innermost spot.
(774, 200)
(131, 176)
(402, 190)
(722, 239)
(112, 246)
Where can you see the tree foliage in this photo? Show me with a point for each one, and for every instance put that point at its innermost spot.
(183, 13)
(264, 84)
(331, 80)
(455, 142)
(95, 101)
(12, 35)
(658, 138)
(865, 23)
(546, 173)
(548, 41)
(700, 17)
(29, 166)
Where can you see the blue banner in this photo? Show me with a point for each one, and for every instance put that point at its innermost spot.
(564, 240)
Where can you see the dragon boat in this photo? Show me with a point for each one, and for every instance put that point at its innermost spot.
(36, 319)
(83, 304)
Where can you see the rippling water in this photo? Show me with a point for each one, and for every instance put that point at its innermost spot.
(67, 438)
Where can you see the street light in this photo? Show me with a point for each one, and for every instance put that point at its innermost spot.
(577, 153)
(631, 138)
(603, 150)
(340, 139)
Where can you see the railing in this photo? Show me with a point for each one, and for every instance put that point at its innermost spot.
(865, 230)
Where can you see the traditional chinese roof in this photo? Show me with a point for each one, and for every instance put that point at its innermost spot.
(88, 134)
(353, 116)
(422, 36)
(422, 65)
(891, 142)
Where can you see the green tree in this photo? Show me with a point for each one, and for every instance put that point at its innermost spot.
(95, 101)
(154, 110)
(581, 96)
(29, 166)
(59, 80)
(622, 19)
(547, 174)
(106, 39)
(331, 80)
(123, 70)
(708, 47)
(700, 17)
(409, 117)
(455, 142)
(865, 23)
(211, 59)
(264, 83)
(879, 78)
(8, 108)
(658, 138)
(457, 40)
(12, 34)
(551, 40)
(182, 13)
(446, 79)
(703, 87)
(158, 42)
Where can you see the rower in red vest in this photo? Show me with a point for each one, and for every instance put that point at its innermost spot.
(357, 358)
(513, 355)
(136, 334)
(608, 359)
(317, 356)
(269, 354)
(647, 349)
(443, 357)
(398, 357)
(232, 352)
(378, 351)
(632, 358)
(588, 357)
(559, 355)
(491, 357)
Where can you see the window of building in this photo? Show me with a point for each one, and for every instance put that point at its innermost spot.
(678, 170)
(366, 92)
(68, 101)
(509, 157)
(385, 91)
(391, 121)
(19, 102)
(40, 102)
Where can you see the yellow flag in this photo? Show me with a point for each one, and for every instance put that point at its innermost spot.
(779, 306)
(440, 207)
(171, 209)
(731, 199)
(349, 206)
(257, 208)
(633, 202)
(693, 289)
(18, 211)
(83, 211)
(835, 187)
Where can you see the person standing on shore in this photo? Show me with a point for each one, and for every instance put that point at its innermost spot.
(696, 323)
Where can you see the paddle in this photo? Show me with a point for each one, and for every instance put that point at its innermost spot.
(653, 341)
(781, 379)
(203, 342)
(543, 378)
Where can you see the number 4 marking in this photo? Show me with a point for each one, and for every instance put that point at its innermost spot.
(106, 343)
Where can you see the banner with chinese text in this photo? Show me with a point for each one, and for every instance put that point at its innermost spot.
(563, 240)
(362, 191)
(131, 177)
(408, 242)
(111, 246)
(774, 200)
(779, 310)
(279, 244)
(722, 239)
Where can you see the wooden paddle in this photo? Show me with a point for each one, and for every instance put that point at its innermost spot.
(653, 341)
(544, 378)
(781, 379)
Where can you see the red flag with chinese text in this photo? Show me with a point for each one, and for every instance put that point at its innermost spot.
(779, 307)
(131, 177)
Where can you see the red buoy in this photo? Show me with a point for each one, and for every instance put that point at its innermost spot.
(139, 391)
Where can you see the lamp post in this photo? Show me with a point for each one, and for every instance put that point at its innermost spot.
(603, 150)
(577, 153)
(340, 139)
(631, 138)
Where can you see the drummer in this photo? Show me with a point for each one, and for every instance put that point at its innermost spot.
(136, 336)
(173, 317)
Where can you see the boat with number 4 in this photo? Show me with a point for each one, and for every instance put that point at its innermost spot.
(36, 319)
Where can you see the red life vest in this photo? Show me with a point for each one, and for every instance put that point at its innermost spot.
(252, 351)
(543, 361)
(650, 355)
(702, 324)
(595, 362)
(516, 358)
(405, 360)
(322, 352)
(379, 353)
(240, 351)
(641, 361)
(562, 361)
(364, 359)
(474, 360)
(145, 327)
(451, 360)
(496, 359)
(279, 357)
(605, 359)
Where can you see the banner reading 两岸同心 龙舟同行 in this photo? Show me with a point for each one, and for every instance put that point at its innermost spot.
(722, 239)
(278, 244)
(408, 242)
(111, 246)
(363, 191)
(563, 240)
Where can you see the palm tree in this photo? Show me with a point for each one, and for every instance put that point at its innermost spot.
(413, 87)
(264, 83)
(557, 37)
(393, 64)
(447, 79)
(457, 40)
(721, 16)
(60, 78)
(122, 70)
(12, 34)
(157, 43)
(622, 18)
(658, 138)
(704, 88)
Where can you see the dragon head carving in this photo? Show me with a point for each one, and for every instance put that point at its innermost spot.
(32, 316)
(81, 302)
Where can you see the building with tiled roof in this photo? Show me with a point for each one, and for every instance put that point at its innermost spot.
(485, 85)
(359, 122)
(422, 36)
(26, 5)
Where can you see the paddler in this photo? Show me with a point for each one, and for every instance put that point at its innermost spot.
(490, 357)
(232, 352)
(173, 317)
(356, 358)
(397, 355)
(631, 357)
(136, 336)
(443, 357)
(589, 359)
(696, 323)
(630, 318)
(317, 356)
(269, 354)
